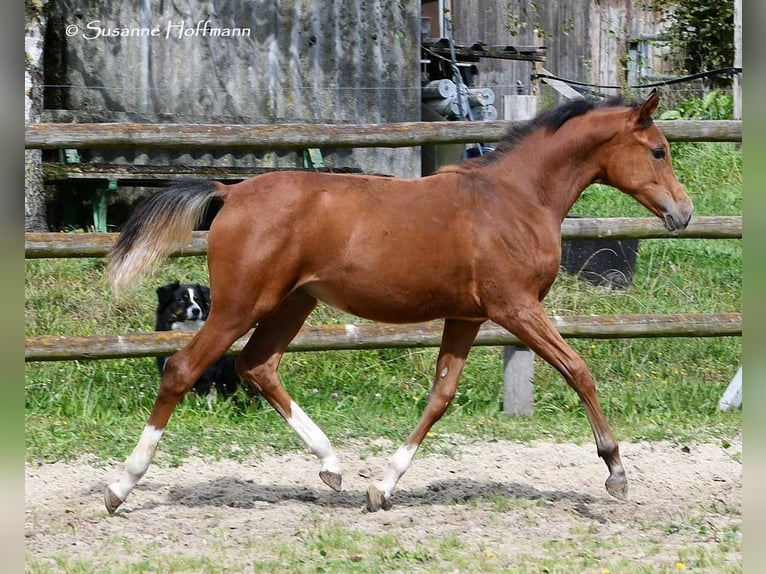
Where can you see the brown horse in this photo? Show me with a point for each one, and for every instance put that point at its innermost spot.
(474, 242)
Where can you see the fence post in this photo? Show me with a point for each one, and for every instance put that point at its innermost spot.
(732, 397)
(518, 372)
(519, 108)
(737, 85)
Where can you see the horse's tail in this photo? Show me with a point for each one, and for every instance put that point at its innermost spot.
(158, 225)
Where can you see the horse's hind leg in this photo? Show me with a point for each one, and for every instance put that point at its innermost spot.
(530, 324)
(181, 371)
(258, 363)
(457, 338)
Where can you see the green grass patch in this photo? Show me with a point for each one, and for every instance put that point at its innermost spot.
(650, 389)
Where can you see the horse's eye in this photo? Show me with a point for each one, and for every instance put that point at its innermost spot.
(658, 153)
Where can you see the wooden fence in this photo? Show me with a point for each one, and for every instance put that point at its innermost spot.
(383, 336)
(366, 335)
(301, 136)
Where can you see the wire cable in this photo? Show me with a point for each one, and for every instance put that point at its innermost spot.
(716, 72)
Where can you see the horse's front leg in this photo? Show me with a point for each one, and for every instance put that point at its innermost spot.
(529, 322)
(181, 372)
(457, 338)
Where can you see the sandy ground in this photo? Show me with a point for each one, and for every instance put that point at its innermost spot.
(501, 499)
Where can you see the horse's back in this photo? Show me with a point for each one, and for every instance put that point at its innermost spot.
(382, 248)
(348, 203)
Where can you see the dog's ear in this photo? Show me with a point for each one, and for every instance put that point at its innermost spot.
(165, 293)
(205, 290)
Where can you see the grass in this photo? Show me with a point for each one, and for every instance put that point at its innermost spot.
(650, 389)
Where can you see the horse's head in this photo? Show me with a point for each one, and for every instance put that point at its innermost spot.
(638, 164)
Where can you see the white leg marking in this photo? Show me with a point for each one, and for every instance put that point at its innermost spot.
(314, 438)
(138, 462)
(397, 466)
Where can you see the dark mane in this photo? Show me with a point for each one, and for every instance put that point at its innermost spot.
(551, 120)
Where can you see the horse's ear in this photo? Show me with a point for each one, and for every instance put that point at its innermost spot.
(648, 108)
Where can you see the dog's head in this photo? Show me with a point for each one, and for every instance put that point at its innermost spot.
(177, 302)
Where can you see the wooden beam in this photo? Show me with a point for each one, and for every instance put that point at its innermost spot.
(302, 136)
(700, 227)
(561, 87)
(385, 336)
(72, 245)
(42, 245)
(480, 50)
(152, 175)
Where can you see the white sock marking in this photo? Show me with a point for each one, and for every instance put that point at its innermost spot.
(397, 466)
(138, 462)
(314, 438)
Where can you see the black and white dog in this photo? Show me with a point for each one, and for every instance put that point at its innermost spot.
(184, 307)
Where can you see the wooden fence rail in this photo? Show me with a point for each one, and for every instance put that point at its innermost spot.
(384, 336)
(301, 136)
(60, 245)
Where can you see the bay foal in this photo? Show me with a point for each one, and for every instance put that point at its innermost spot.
(477, 241)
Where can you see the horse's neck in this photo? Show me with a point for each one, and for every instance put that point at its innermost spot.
(557, 167)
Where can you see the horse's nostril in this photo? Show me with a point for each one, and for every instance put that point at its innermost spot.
(676, 222)
(670, 224)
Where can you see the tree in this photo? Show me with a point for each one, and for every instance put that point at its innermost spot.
(701, 31)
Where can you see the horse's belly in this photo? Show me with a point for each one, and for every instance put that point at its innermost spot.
(394, 304)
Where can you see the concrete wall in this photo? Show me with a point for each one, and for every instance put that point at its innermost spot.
(286, 61)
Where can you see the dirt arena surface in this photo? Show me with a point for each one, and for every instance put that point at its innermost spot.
(500, 499)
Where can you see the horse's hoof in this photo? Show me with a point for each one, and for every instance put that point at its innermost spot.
(331, 479)
(617, 486)
(376, 500)
(111, 500)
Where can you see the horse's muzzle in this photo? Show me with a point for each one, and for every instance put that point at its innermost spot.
(678, 220)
